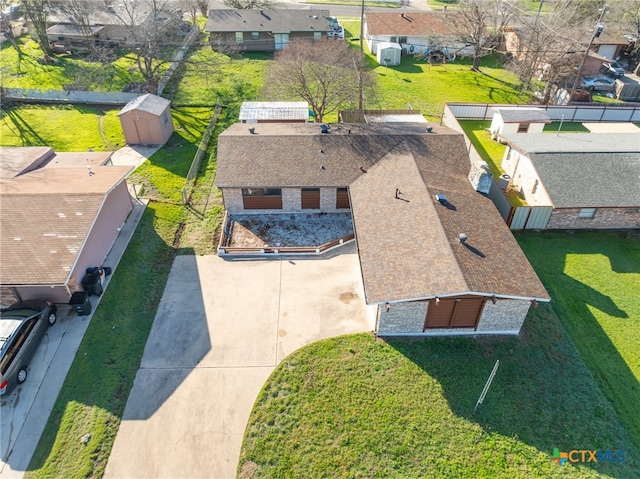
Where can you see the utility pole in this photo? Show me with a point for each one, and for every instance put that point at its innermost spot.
(596, 34)
(361, 66)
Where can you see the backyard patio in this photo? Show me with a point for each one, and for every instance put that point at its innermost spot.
(299, 230)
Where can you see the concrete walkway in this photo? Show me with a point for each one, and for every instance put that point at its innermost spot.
(220, 330)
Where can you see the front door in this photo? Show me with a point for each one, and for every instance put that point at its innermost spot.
(449, 313)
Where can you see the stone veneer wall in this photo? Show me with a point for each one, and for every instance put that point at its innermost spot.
(505, 315)
(567, 218)
(402, 318)
(291, 202)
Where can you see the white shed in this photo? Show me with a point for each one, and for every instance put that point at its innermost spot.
(518, 120)
(389, 54)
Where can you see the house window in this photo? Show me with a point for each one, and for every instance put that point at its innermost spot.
(587, 213)
(255, 35)
(239, 38)
(523, 127)
(262, 198)
(399, 40)
(317, 36)
(342, 198)
(310, 198)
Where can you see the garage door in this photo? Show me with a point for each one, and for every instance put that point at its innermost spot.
(454, 313)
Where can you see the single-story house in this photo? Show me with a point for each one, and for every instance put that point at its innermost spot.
(518, 120)
(609, 44)
(435, 255)
(57, 221)
(591, 180)
(107, 23)
(146, 120)
(274, 111)
(265, 30)
(416, 32)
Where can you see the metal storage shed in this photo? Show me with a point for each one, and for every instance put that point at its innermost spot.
(389, 54)
(146, 120)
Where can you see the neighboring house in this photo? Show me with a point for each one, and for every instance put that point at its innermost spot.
(274, 112)
(265, 30)
(518, 120)
(416, 32)
(591, 180)
(609, 45)
(436, 256)
(146, 120)
(106, 23)
(59, 217)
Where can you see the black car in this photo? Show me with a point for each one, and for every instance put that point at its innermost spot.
(22, 326)
(612, 68)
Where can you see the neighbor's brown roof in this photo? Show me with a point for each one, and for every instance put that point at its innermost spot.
(46, 216)
(408, 249)
(411, 23)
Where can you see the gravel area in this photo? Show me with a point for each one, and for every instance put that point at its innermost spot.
(299, 229)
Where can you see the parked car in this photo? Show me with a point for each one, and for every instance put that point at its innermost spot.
(22, 326)
(598, 83)
(612, 68)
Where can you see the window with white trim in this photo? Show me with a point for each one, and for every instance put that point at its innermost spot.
(587, 213)
(239, 38)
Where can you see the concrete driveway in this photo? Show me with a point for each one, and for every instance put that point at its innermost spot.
(221, 328)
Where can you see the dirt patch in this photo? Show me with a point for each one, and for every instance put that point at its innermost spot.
(347, 297)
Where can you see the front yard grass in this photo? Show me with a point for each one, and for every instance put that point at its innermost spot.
(594, 280)
(358, 407)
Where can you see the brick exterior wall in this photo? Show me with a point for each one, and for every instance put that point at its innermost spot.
(567, 218)
(291, 202)
(402, 318)
(505, 315)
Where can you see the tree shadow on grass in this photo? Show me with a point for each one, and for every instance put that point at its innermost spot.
(22, 129)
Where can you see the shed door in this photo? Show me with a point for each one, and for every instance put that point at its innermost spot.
(144, 133)
(454, 313)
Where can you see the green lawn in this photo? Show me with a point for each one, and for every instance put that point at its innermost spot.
(28, 72)
(64, 128)
(490, 151)
(594, 280)
(356, 407)
(427, 87)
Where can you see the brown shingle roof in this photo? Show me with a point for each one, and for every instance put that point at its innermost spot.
(408, 249)
(46, 216)
(411, 23)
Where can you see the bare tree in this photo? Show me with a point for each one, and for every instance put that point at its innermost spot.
(249, 4)
(552, 46)
(479, 24)
(153, 27)
(203, 5)
(324, 73)
(37, 12)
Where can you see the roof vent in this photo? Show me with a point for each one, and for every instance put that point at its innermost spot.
(442, 199)
(324, 128)
(463, 238)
